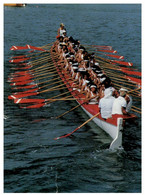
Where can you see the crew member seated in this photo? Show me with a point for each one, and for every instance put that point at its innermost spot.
(92, 95)
(106, 103)
(120, 103)
(61, 30)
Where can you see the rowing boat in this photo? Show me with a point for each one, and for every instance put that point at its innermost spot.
(15, 4)
(112, 126)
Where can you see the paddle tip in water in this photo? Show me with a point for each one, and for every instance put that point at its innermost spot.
(56, 138)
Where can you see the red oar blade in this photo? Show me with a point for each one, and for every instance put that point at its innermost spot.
(134, 80)
(34, 106)
(122, 63)
(115, 56)
(18, 60)
(22, 68)
(28, 91)
(17, 96)
(20, 73)
(35, 48)
(136, 73)
(26, 101)
(21, 83)
(26, 87)
(20, 79)
(107, 51)
(18, 47)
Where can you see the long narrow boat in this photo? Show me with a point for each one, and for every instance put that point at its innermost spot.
(112, 126)
(15, 4)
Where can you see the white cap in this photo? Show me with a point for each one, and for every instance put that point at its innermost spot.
(123, 89)
(100, 75)
(93, 86)
(75, 68)
(96, 64)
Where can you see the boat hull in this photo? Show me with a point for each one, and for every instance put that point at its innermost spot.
(112, 126)
(115, 132)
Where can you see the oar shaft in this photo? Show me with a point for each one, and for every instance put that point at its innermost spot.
(136, 111)
(78, 127)
(136, 108)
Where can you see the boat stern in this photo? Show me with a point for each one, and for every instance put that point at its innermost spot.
(117, 141)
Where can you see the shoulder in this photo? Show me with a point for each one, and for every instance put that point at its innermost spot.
(101, 100)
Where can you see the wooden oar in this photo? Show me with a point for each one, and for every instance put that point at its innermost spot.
(17, 59)
(47, 45)
(112, 56)
(64, 136)
(73, 108)
(40, 68)
(136, 73)
(131, 79)
(34, 85)
(136, 110)
(115, 61)
(30, 75)
(99, 46)
(38, 105)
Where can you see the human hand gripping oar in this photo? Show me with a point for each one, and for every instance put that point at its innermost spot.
(64, 136)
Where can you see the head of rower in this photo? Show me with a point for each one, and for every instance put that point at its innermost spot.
(123, 92)
(62, 26)
(93, 88)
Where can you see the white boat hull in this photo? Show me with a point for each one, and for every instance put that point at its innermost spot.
(114, 131)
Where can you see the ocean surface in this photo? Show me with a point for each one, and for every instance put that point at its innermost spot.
(82, 163)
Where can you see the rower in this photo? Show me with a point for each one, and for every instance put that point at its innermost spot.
(92, 95)
(106, 103)
(79, 55)
(84, 81)
(120, 103)
(101, 88)
(61, 30)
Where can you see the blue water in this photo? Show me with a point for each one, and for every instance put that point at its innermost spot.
(33, 160)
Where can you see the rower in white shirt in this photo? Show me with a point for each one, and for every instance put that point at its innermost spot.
(106, 103)
(120, 103)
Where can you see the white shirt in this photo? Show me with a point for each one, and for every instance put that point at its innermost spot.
(105, 105)
(118, 104)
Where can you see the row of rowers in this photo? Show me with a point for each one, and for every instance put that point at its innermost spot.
(82, 67)
(89, 77)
